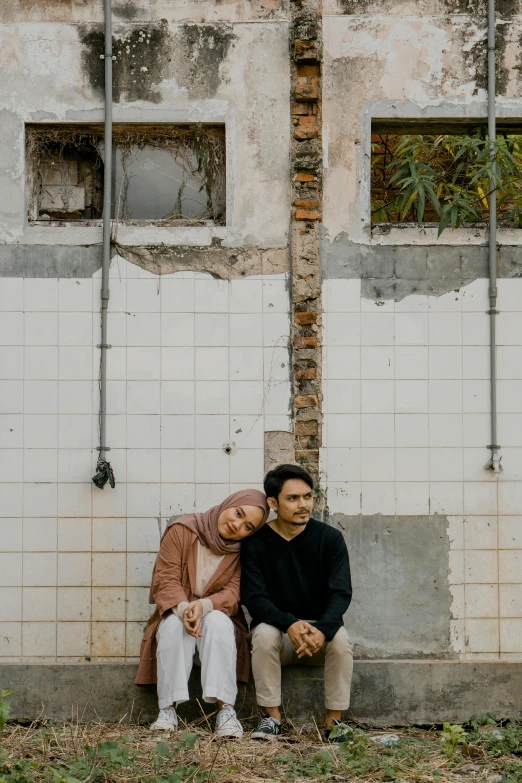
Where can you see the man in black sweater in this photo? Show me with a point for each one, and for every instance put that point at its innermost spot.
(295, 582)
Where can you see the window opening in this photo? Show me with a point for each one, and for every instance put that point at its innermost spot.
(150, 184)
(164, 174)
(442, 178)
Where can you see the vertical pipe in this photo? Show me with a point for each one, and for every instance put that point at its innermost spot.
(104, 469)
(107, 207)
(494, 464)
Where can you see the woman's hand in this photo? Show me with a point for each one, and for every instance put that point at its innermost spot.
(192, 617)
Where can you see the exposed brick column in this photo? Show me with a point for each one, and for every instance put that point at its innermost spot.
(306, 214)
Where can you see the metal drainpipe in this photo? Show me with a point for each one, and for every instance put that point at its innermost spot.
(104, 471)
(494, 463)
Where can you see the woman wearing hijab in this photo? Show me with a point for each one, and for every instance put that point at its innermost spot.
(195, 586)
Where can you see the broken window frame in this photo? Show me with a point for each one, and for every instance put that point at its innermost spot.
(184, 140)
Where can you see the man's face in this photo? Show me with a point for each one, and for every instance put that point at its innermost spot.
(295, 502)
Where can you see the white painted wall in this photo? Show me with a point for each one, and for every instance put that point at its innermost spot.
(195, 362)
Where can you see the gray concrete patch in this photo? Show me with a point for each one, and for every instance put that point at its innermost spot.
(383, 692)
(279, 449)
(401, 597)
(396, 271)
(49, 260)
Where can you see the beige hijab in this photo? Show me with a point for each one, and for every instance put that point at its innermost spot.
(205, 525)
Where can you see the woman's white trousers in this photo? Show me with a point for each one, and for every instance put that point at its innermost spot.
(217, 654)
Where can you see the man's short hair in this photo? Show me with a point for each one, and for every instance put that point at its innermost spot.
(274, 479)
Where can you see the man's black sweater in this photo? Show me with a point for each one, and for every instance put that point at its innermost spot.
(307, 578)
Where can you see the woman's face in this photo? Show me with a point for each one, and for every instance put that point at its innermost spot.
(239, 522)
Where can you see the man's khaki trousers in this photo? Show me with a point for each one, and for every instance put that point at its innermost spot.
(272, 649)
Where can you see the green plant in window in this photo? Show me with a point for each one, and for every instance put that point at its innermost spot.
(446, 178)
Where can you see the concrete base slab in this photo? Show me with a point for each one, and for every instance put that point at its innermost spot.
(392, 693)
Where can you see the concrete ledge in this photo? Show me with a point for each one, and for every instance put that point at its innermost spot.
(398, 692)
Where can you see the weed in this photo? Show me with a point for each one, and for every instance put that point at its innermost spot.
(101, 753)
(486, 719)
(317, 765)
(498, 740)
(15, 771)
(452, 735)
(5, 707)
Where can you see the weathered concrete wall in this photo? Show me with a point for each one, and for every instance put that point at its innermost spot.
(198, 315)
(199, 361)
(384, 693)
(404, 60)
(181, 72)
(12, 11)
(406, 334)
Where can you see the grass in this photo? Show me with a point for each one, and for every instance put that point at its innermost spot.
(49, 752)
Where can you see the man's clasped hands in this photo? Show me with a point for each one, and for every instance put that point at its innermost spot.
(307, 639)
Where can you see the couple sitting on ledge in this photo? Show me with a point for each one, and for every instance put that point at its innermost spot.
(293, 576)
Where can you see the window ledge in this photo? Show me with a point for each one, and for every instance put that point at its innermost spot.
(145, 233)
(123, 223)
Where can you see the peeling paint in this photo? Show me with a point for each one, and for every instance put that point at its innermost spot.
(223, 263)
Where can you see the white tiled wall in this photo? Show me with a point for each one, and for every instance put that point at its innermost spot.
(406, 403)
(195, 362)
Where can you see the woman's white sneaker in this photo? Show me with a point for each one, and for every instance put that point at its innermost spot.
(227, 724)
(167, 720)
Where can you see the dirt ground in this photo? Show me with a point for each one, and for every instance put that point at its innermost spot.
(483, 751)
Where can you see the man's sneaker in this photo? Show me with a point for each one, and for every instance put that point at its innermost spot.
(269, 728)
(341, 732)
(227, 724)
(167, 720)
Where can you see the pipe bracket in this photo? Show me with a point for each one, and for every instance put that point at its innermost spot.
(104, 345)
(492, 312)
(103, 448)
